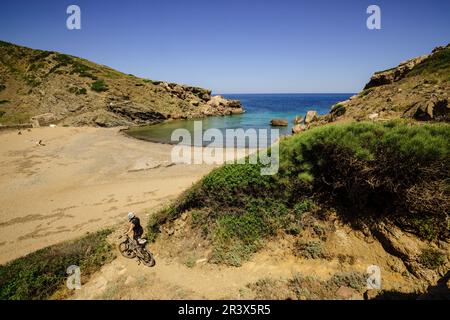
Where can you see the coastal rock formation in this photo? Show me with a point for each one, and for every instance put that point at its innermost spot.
(43, 120)
(81, 93)
(299, 128)
(299, 119)
(279, 122)
(435, 109)
(394, 74)
(218, 105)
(417, 89)
(311, 116)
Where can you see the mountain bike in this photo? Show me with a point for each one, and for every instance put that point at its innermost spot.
(129, 248)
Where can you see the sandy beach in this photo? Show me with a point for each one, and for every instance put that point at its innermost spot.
(79, 180)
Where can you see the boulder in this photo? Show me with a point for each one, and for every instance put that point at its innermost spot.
(348, 293)
(311, 116)
(237, 110)
(298, 128)
(216, 101)
(299, 119)
(43, 120)
(224, 106)
(373, 116)
(434, 109)
(279, 122)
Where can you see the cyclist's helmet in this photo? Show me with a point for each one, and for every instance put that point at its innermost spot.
(130, 215)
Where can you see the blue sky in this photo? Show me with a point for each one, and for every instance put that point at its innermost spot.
(236, 46)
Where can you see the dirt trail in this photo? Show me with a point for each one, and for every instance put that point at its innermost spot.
(168, 279)
(171, 279)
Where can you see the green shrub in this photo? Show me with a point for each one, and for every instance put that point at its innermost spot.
(355, 280)
(365, 92)
(338, 110)
(40, 274)
(395, 168)
(152, 81)
(438, 62)
(99, 86)
(77, 67)
(432, 258)
(308, 250)
(82, 70)
(41, 55)
(190, 261)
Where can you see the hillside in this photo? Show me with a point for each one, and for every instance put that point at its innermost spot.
(78, 92)
(346, 196)
(416, 89)
(349, 194)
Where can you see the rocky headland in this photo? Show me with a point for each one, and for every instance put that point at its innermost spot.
(43, 87)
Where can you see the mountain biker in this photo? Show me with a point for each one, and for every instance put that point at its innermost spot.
(134, 225)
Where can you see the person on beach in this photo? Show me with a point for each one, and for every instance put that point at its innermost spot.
(134, 226)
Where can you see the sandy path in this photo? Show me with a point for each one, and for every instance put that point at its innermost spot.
(80, 180)
(171, 279)
(168, 279)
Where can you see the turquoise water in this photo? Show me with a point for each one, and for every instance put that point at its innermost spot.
(260, 109)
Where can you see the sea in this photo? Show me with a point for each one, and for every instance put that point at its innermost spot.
(260, 109)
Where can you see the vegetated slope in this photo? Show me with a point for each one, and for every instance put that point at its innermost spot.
(390, 181)
(42, 274)
(79, 92)
(418, 88)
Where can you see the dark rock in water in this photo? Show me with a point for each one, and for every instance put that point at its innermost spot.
(279, 122)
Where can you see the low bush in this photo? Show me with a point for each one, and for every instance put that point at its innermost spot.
(395, 170)
(99, 86)
(308, 250)
(432, 258)
(42, 273)
(438, 62)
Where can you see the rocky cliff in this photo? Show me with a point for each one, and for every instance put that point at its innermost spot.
(418, 88)
(74, 91)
